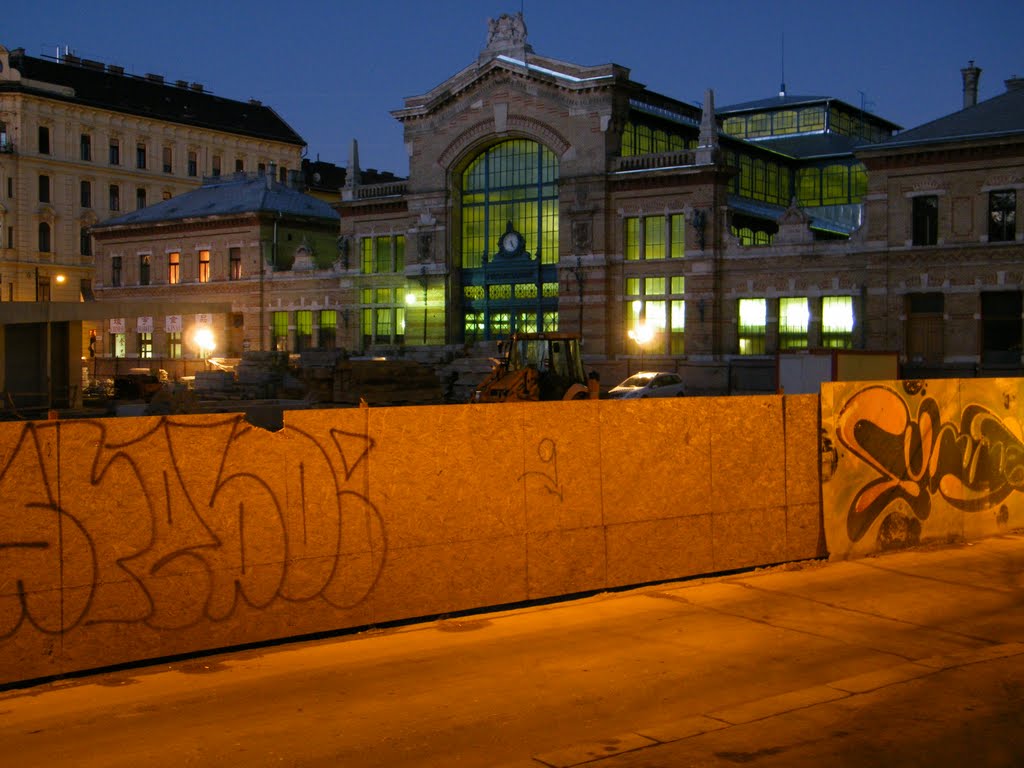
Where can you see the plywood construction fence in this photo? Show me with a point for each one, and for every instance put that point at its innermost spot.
(139, 538)
(906, 462)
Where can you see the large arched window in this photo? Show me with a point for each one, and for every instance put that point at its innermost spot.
(511, 184)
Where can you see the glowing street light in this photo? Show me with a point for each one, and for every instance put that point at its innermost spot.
(642, 335)
(206, 342)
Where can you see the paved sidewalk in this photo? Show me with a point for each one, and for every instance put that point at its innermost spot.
(913, 658)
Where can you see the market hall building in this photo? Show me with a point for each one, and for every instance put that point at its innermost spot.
(548, 195)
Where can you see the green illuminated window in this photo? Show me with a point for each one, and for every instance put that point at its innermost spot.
(834, 185)
(654, 237)
(794, 320)
(858, 182)
(759, 125)
(303, 329)
(513, 181)
(837, 322)
(753, 326)
(735, 126)
(677, 343)
(661, 312)
(632, 239)
(808, 186)
(678, 246)
(382, 255)
(328, 328)
(811, 119)
(784, 122)
(279, 331)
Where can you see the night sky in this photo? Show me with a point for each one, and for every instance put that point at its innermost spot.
(335, 70)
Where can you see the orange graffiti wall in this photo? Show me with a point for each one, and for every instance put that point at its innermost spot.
(907, 462)
(139, 538)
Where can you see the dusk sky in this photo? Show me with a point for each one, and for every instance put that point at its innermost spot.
(335, 70)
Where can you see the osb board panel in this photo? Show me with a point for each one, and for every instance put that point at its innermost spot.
(748, 456)
(656, 458)
(130, 539)
(921, 460)
(803, 468)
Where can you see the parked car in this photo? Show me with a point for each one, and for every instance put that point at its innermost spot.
(648, 384)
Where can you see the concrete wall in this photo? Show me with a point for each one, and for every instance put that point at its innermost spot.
(135, 538)
(912, 461)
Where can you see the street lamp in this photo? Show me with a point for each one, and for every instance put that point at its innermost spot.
(204, 339)
(642, 334)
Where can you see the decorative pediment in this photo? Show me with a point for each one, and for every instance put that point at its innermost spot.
(794, 226)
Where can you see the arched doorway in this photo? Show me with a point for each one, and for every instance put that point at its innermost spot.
(509, 241)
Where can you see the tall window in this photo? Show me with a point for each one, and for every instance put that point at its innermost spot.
(239, 165)
(140, 155)
(115, 152)
(174, 268)
(85, 147)
(279, 331)
(140, 198)
(174, 344)
(44, 188)
(303, 329)
(925, 220)
(204, 266)
(146, 345)
(115, 271)
(44, 140)
(85, 192)
(753, 326)
(193, 163)
(837, 322)
(794, 319)
(44, 237)
(328, 328)
(115, 197)
(216, 165)
(656, 305)
(144, 262)
(383, 316)
(382, 254)
(168, 160)
(1002, 215)
(85, 242)
(515, 182)
(649, 239)
(235, 263)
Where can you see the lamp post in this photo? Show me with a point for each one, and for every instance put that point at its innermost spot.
(641, 334)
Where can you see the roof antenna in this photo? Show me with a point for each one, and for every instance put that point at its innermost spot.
(782, 86)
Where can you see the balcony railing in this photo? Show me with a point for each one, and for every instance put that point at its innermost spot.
(673, 159)
(391, 189)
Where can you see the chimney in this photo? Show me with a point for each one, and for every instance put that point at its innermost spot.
(970, 74)
(1015, 83)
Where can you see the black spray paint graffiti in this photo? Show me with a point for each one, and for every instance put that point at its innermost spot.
(181, 523)
(973, 466)
(547, 453)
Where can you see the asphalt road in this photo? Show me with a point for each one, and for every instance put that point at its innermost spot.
(913, 658)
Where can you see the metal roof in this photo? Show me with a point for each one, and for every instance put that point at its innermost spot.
(1002, 115)
(229, 195)
(105, 87)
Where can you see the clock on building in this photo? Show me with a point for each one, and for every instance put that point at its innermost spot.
(511, 243)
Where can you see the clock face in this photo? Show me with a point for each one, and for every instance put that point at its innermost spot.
(510, 242)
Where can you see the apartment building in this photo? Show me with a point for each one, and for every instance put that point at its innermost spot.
(82, 141)
(243, 263)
